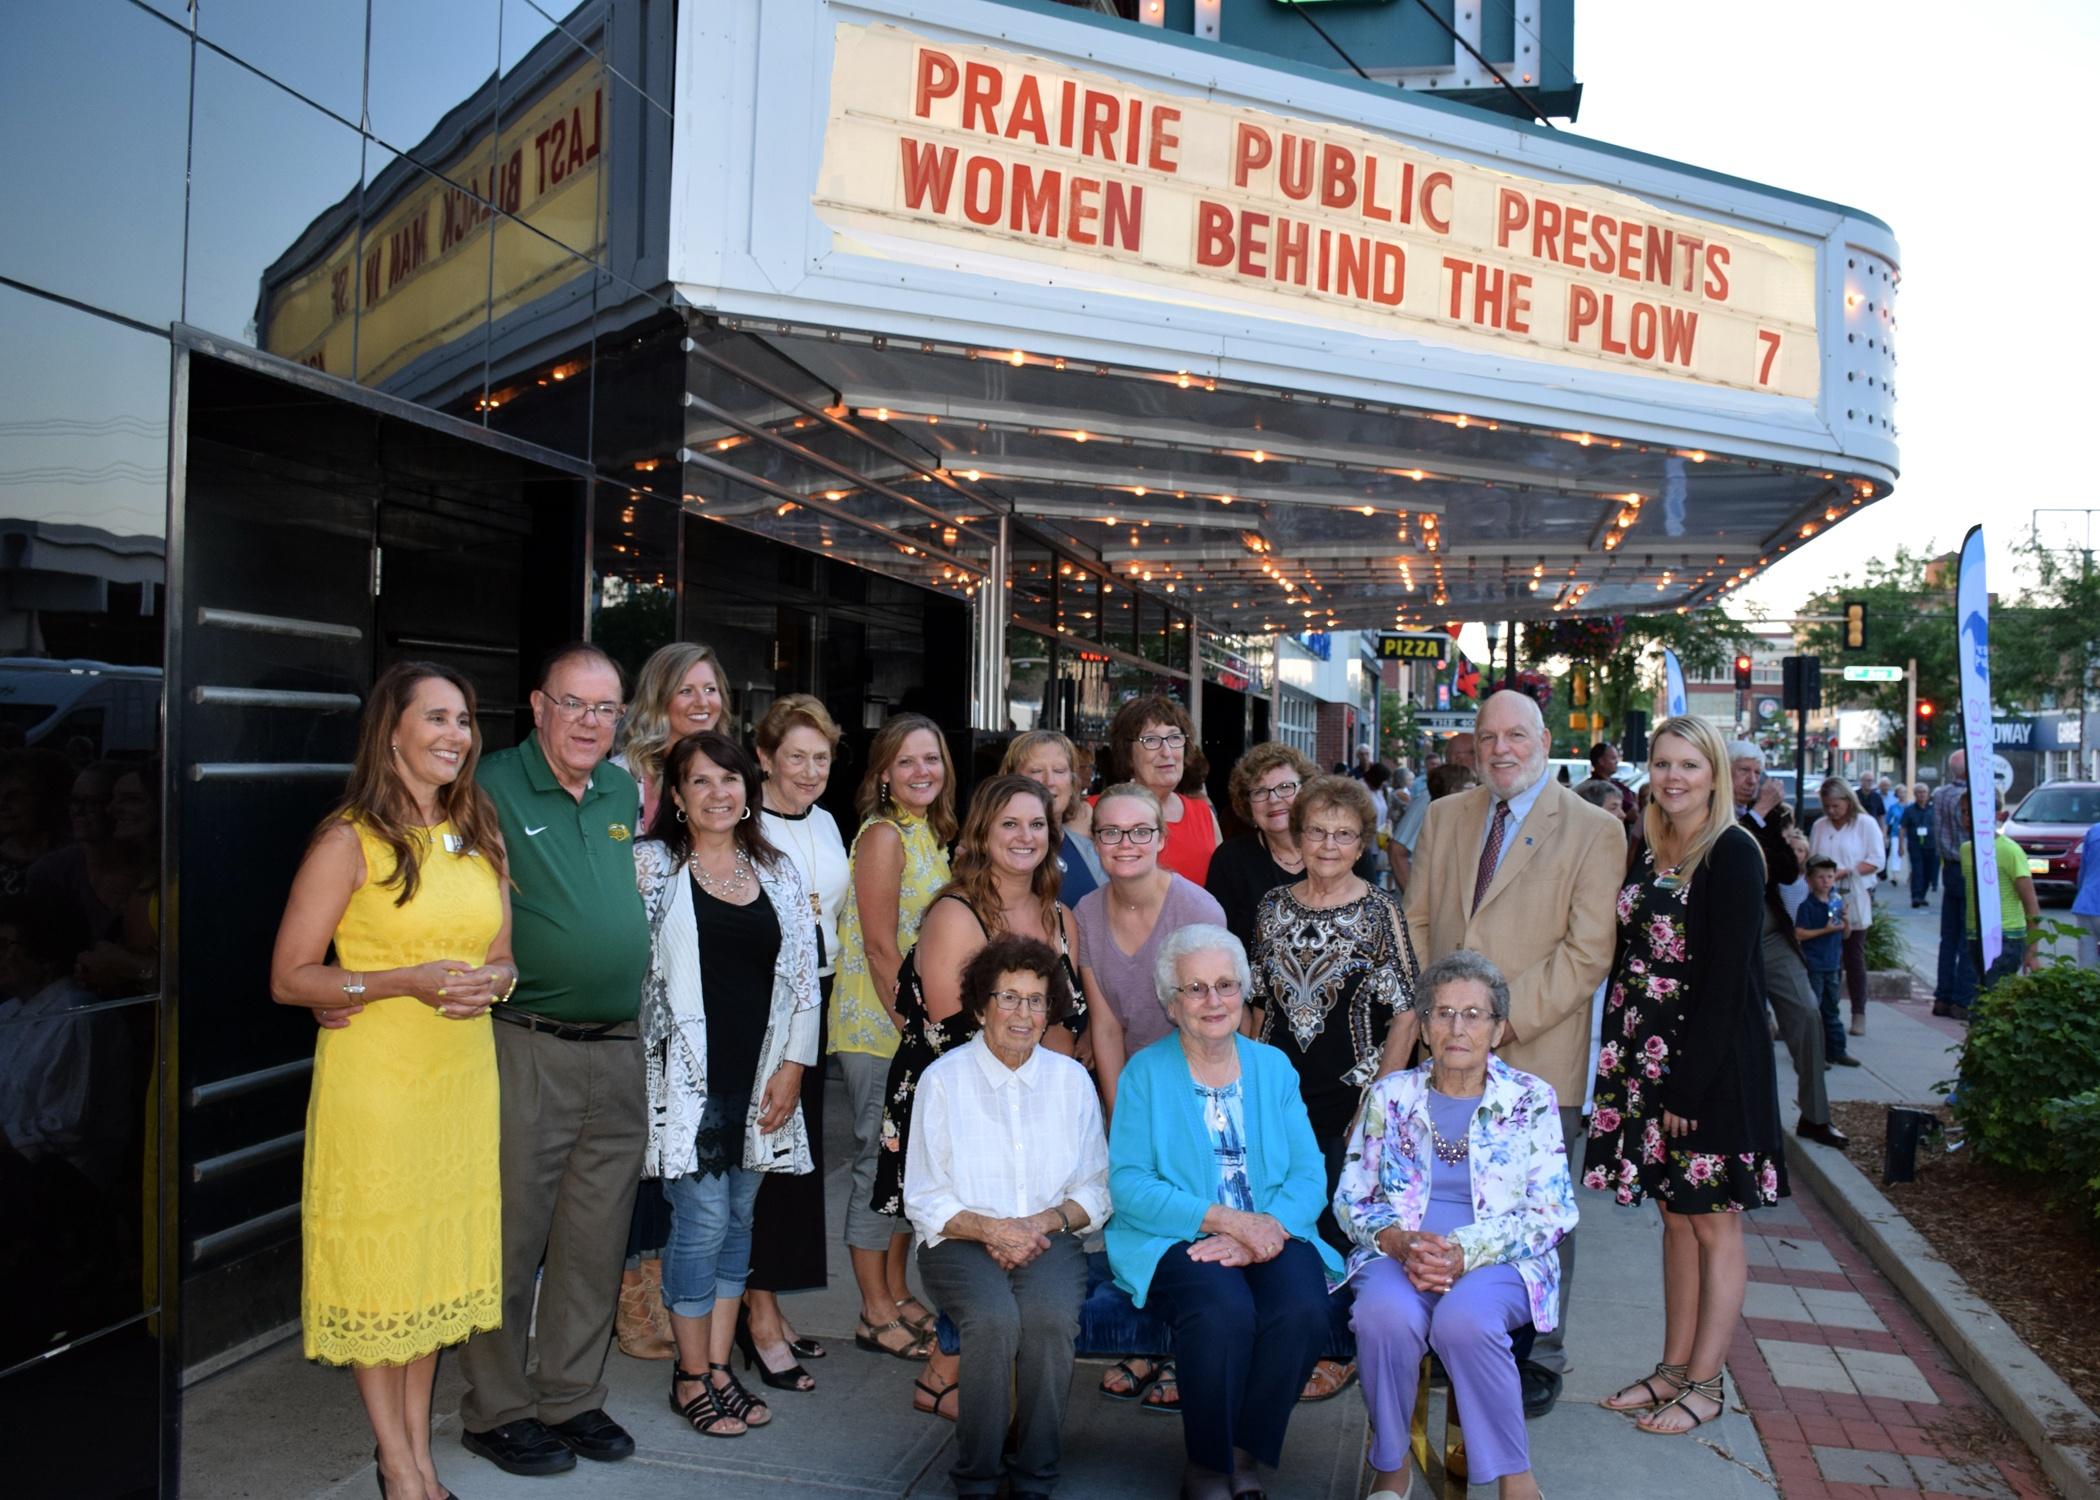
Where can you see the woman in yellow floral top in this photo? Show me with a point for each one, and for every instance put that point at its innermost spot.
(900, 859)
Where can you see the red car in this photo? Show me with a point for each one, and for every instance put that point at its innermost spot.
(2050, 825)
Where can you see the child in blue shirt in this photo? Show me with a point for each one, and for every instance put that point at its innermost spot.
(1820, 926)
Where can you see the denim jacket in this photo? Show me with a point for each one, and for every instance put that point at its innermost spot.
(1523, 1196)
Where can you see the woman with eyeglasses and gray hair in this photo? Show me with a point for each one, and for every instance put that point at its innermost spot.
(1455, 1192)
(1006, 1171)
(1334, 978)
(1217, 1183)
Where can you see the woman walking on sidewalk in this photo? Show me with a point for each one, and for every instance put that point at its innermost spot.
(1852, 841)
(1686, 1108)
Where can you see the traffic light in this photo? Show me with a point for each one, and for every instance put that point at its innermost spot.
(1925, 711)
(1742, 674)
(1855, 625)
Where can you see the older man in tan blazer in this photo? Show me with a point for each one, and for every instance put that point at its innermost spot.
(1523, 870)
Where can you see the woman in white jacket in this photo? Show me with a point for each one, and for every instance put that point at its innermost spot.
(729, 1020)
(1853, 842)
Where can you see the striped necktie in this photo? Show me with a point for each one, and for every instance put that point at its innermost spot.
(1490, 853)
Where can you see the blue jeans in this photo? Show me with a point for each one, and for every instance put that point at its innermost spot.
(709, 1253)
(1956, 982)
(2010, 956)
(1830, 1000)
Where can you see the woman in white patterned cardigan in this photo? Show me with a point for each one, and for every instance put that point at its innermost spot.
(729, 1020)
(1455, 1191)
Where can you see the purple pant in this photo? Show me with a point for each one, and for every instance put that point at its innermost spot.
(1469, 1327)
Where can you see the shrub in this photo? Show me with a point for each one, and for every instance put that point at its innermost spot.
(1885, 948)
(2030, 1076)
(2075, 1123)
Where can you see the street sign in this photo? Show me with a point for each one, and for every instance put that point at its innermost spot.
(1444, 723)
(1873, 674)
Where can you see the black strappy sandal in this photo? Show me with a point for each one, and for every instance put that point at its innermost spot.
(705, 1412)
(1139, 1384)
(1713, 1390)
(738, 1402)
(1673, 1376)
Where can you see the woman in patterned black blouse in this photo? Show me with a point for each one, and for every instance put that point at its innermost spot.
(1334, 982)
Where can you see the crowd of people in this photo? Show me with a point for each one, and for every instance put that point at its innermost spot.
(575, 1011)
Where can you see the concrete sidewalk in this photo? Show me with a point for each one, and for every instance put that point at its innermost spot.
(276, 1427)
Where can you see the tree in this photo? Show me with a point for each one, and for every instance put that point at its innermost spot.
(1625, 651)
(2035, 636)
(2058, 640)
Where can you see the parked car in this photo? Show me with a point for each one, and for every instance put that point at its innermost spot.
(2050, 825)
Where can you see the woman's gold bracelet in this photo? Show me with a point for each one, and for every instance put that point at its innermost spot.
(510, 989)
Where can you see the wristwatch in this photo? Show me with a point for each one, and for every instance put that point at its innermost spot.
(1059, 1210)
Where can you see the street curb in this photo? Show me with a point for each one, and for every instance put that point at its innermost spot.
(2034, 1401)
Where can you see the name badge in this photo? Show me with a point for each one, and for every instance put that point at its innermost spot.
(454, 844)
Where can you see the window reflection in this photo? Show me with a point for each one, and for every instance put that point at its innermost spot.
(83, 449)
(273, 218)
(316, 47)
(96, 94)
(424, 62)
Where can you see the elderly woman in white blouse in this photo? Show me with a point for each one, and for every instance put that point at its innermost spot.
(1852, 841)
(1006, 1170)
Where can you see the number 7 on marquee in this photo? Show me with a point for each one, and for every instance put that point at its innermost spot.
(1764, 366)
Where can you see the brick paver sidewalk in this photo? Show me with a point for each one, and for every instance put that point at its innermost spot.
(1853, 1398)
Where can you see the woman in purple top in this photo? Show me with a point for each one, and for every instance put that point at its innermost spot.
(1121, 925)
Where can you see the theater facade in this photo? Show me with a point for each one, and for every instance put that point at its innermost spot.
(999, 360)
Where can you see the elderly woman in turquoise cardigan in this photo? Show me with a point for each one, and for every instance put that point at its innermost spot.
(1217, 1183)
(1455, 1191)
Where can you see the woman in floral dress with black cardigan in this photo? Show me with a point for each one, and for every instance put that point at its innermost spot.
(1687, 1109)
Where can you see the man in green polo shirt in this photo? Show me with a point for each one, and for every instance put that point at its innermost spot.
(575, 1103)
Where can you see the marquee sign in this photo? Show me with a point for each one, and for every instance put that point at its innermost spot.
(1013, 166)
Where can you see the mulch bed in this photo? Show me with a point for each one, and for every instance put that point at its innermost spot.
(2034, 1264)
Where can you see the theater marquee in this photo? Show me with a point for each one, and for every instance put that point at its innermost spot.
(1020, 168)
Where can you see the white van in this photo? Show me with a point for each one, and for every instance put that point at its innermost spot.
(77, 707)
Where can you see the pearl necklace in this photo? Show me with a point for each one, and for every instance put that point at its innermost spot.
(730, 885)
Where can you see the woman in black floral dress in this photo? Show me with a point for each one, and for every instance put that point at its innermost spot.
(1006, 883)
(1687, 1110)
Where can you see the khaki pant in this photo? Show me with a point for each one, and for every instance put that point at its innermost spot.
(1800, 1020)
(575, 1123)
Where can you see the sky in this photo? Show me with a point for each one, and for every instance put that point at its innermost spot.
(1961, 127)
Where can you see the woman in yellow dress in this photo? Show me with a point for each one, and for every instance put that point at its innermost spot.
(899, 860)
(402, 1207)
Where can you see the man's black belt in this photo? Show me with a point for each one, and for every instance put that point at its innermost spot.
(562, 1031)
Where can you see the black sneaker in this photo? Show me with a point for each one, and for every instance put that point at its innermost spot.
(1844, 1060)
(527, 1446)
(1540, 1388)
(592, 1434)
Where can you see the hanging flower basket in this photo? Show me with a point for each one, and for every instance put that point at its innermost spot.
(1590, 638)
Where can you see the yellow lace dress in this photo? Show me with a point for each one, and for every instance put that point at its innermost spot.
(402, 1206)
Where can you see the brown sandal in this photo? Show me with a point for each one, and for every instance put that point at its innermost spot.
(923, 1323)
(1673, 1376)
(1330, 1377)
(1711, 1390)
(869, 1337)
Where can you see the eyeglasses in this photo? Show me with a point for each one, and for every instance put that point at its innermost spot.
(1012, 1000)
(1143, 833)
(573, 709)
(1472, 1017)
(1163, 741)
(1283, 791)
(1341, 838)
(1224, 989)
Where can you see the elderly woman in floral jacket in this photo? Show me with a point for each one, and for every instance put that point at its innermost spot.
(1455, 1191)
